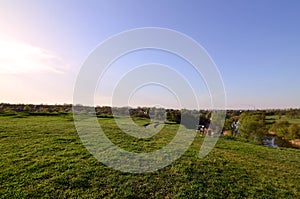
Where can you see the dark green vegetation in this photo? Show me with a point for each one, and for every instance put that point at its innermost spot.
(285, 125)
(42, 156)
(260, 125)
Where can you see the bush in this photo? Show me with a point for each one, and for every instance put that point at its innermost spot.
(280, 128)
(293, 132)
(252, 126)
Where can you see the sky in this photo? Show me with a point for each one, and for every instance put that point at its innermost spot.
(255, 45)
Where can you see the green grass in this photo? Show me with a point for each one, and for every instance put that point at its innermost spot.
(292, 120)
(274, 118)
(42, 156)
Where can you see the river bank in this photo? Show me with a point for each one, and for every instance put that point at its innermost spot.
(272, 140)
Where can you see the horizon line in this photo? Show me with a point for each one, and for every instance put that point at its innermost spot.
(203, 108)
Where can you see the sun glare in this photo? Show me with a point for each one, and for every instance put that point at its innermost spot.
(20, 57)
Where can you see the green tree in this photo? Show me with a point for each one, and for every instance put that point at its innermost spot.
(252, 126)
(293, 113)
(293, 132)
(280, 128)
(174, 116)
(189, 120)
(228, 121)
(27, 108)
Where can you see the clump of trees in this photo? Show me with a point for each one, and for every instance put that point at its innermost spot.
(252, 126)
(35, 108)
(231, 117)
(256, 125)
(140, 112)
(173, 115)
(286, 130)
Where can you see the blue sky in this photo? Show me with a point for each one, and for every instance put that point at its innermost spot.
(255, 45)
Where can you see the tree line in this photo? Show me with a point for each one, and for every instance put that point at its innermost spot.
(252, 124)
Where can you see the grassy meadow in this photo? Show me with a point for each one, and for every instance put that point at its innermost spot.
(274, 118)
(42, 156)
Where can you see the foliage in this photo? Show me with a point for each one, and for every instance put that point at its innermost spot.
(281, 128)
(27, 108)
(228, 121)
(158, 114)
(293, 113)
(293, 132)
(203, 120)
(174, 116)
(189, 120)
(252, 125)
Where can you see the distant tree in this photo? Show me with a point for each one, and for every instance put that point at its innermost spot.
(174, 116)
(217, 121)
(208, 115)
(8, 110)
(293, 132)
(293, 113)
(204, 121)
(189, 120)
(158, 114)
(248, 128)
(228, 121)
(26, 108)
(252, 126)
(119, 111)
(280, 128)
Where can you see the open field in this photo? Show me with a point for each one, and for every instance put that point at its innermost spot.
(42, 156)
(274, 118)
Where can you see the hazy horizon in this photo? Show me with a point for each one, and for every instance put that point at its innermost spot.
(157, 107)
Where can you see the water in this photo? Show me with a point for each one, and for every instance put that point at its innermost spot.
(270, 141)
(274, 141)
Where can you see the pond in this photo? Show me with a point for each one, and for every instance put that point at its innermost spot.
(275, 141)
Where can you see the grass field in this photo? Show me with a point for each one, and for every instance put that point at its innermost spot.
(42, 156)
(274, 118)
